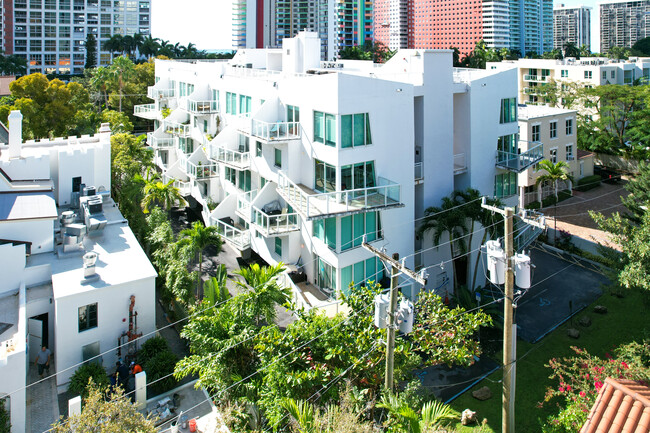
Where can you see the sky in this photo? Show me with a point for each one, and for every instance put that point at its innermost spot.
(207, 23)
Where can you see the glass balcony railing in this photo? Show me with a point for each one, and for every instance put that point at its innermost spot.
(178, 129)
(146, 111)
(313, 205)
(202, 107)
(276, 131)
(159, 143)
(536, 78)
(202, 171)
(238, 238)
(278, 224)
(519, 162)
(185, 188)
(240, 160)
(244, 204)
(154, 93)
(419, 171)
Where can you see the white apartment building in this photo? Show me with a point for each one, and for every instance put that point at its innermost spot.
(623, 22)
(51, 34)
(74, 276)
(533, 74)
(571, 25)
(305, 158)
(555, 128)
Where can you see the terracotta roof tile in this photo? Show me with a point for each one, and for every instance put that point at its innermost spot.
(622, 406)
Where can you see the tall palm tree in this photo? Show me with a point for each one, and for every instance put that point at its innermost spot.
(150, 47)
(114, 44)
(570, 50)
(448, 218)
(157, 193)
(197, 239)
(121, 72)
(266, 292)
(138, 40)
(554, 174)
(128, 45)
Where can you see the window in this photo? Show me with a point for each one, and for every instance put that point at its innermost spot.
(258, 148)
(588, 75)
(569, 127)
(293, 113)
(50, 45)
(506, 147)
(325, 230)
(604, 75)
(35, 32)
(534, 136)
(355, 130)
(231, 175)
(353, 228)
(244, 104)
(553, 157)
(361, 272)
(64, 17)
(245, 180)
(87, 317)
(582, 168)
(324, 128)
(231, 103)
(278, 246)
(505, 185)
(553, 129)
(358, 176)
(508, 110)
(569, 152)
(64, 31)
(564, 73)
(278, 158)
(613, 74)
(324, 176)
(326, 276)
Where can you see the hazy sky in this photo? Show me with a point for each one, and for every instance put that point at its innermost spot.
(207, 23)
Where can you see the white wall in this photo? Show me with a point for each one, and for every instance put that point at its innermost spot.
(29, 168)
(40, 232)
(13, 264)
(90, 163)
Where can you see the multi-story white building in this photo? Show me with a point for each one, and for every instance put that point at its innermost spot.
(622, 23)
(304, 158)
(51, 34)
(571, 25)
(556, 129)
(534, 74)
(74, 277)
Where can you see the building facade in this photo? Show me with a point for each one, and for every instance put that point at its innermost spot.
(391, 23)
(571, 25)
(304, 159)
(623, 23)
(51, 34)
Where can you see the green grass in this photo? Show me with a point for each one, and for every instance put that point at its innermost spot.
(625, 322)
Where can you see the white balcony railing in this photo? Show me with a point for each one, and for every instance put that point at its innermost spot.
(154, 93)
(238, 238)
(178, 129)
(274, 131)
(536, 78)
(202, 107)
(271, 225)
(202, 171)
(244, 204)
(240, 160)
(185, 188)
(158, 142)
(313, 205)
(419, 171)
(146, 111)
(460, 163)
(518, 162)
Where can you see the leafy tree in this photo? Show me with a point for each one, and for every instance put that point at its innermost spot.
(554, 173)
(197, 239)
(13, 65)
(114, 44)
(157, 193)
(553, 54)
(215, 289)
(93, 373)
(639, 197)
(91, 51)
(620, 53)
(642, 47)
(377, 52)
(266, 293)
(434, 414)
(121, 72)
(585, 51)
(106, 412)
(5, 417)
(570, 50)
(119, 122)
(159, 369)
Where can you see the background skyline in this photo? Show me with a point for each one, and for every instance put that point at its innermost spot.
(211, 29)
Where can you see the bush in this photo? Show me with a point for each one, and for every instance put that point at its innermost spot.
(150, 349)
(533, 205)
(161, 365)
(589, 182)
(5, 418)
(91, 371)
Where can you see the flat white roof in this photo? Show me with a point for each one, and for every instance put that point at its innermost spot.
(27, 205)
(528, 112)
(120, 258)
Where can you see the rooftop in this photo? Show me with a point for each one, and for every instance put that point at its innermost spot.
(622, 406)
(120, 258)
(27, 205)
(528, 112)
(36, 148)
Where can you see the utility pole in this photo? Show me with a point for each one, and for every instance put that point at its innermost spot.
(508, 398)
(397, 268)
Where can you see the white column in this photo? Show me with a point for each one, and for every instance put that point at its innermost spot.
(74, 406)
(141, 390)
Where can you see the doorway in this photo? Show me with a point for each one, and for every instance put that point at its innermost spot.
(38, 334)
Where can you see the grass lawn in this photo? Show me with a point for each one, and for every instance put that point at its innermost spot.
(625, 322)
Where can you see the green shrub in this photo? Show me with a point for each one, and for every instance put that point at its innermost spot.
(533, 205)
(5, 418)
(91, 371)
(589, 182)
(151, 348)
(160, 365)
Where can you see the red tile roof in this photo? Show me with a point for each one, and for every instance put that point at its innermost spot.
(622, 406)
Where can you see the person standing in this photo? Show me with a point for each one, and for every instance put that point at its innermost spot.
(43, 361)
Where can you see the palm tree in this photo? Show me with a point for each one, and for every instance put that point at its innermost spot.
(449, 219)
(197, 239)
(121, 72)
(266, 292)
(157, 193)
(215, 290)
(554, 174)
(585, 51)
(570, 50)
(99, 80)
(138, 40)
(114, 44)
(150, 47)
(128, 45)
(433, 414)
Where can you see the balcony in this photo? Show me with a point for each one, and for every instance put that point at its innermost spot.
(460, 163)
(202, 107)
(244, 204)
(419, 172)
(146, 111)
(233, 158)
(185, 188)
(178, 129)
(313, 205)
(276, 131)
(519, 162)
(273, 225)
(154, 93)
(536, 78)
(159, 143)
(238, 238)
(202, 171)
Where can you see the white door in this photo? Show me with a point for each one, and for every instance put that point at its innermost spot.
(35, 330)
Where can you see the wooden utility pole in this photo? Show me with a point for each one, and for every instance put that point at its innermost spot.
(396, 269)
(508, 416)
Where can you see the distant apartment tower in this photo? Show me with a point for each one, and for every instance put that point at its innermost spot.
(571, 25)
(253, 23)
(391, 23)
(523, 25)
(623, 23)
(51, 35)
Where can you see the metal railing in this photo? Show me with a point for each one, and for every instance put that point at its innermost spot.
(175, 128)
(312, 205)
(244, 204)
(202, 171)
(147, 111)
(460, 163)
(231, 157)
(154, 93)
(202, 107)
(518, 162)
(419, 171)
(240, 239)
(275, 131)
(538, 78)
(159, 143)
(275, 224)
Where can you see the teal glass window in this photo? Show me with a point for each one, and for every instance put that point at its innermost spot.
(293, 113)
(258, 148)
(325, 230)
(324, 177)
(245, 180)
(231, 103)
(278, 158)
(508, 110)
(326, 275)
(244, 104)
(360, 273)
(324, 128)
(357, 176)
(505, 185)
(353, 228)
(506, 147)
(355, 130)
(278, 246)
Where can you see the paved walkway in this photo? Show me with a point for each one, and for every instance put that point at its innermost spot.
(42, 402)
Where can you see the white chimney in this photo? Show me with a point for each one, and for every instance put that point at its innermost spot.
(15, 133)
